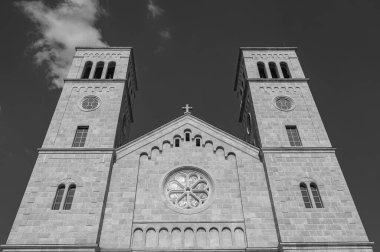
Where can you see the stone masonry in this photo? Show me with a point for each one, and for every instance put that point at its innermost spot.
(124, 198)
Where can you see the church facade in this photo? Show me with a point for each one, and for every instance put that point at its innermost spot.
(187, 186)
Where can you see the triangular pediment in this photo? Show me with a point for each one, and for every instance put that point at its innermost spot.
(209, 133)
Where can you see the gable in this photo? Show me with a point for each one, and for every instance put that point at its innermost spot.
(210, 136)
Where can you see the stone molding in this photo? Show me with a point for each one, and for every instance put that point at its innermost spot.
(298, 149)
(278, 80)
(49, 247)
(333, 245)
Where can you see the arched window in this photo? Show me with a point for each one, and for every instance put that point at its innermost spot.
(273, 70)
(110, 70)
(176, 142)
(285, 70)
(198, 142)
(316, 195)
(58, 197)
(87, 70)
(69, 197)
(99, 70)
(305, 195)
(262, 71)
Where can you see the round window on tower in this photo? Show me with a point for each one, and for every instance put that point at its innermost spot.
(187, 190)
(284, 103)
(89, 103)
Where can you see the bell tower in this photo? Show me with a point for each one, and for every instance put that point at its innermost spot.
(63, 205)
(312, 206)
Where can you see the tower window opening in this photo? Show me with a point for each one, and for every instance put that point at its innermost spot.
(249, 124)
(176, 142)
(80, 136)
(285, 70)
(187, 136)
(110, 70)
(273, 70)
(58, 197)
(305, 195)
(316, 195)
(294, 137)
(69, 197)
(198, 142)
(99, 70)
(87, 70)
(262, 71)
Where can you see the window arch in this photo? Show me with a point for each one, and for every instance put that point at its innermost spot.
(176, 141)
(285, 70)
(69, 197)
(262, 71)
(273, 70)
(99, 70)
(316, 196)
(187, 135)
(305, 195)
(58, 197)
(86, 70)
(110, 70)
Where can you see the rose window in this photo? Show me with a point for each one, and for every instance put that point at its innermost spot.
(188, 189)
(284, 103)
(90, 102)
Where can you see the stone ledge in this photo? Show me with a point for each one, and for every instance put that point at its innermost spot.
(278, 80)
(274, 48)
(298, 149)
(333, 245)
(94, 80)
(75, 150)
(49, 247)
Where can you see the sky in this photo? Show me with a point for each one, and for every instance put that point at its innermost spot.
(186, 52)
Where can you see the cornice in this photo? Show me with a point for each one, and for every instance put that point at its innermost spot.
(113, 48)
(94, 80)
(297, 149)
(278, 80)
(75, 150)
(290, 245)
(49, 246)
(294, 48)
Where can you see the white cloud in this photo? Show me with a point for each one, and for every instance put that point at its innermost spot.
(165, 34)
(60, 29)
(154, 10)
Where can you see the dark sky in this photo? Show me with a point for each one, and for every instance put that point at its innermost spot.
(338, 46)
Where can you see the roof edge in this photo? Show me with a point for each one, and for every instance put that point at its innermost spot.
(182, 117)
(277, 48)
(102, 48)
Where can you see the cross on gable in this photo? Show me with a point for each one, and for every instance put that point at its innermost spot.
(187, 109)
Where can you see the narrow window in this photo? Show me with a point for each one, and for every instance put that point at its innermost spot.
(198, 142)
(285, 70)
(294, 137)
(249, 123)
(99, 70)
(80, 136)
(87, 70)
(305, 195)
(110, 70)
(187, 136)
(176, 142)
(316, 195)
(69, 197)
(273, 70)
(58, 197)
(262, 71)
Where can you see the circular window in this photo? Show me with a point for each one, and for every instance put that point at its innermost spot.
(90, 102)
(284, 103)
(188, 190)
